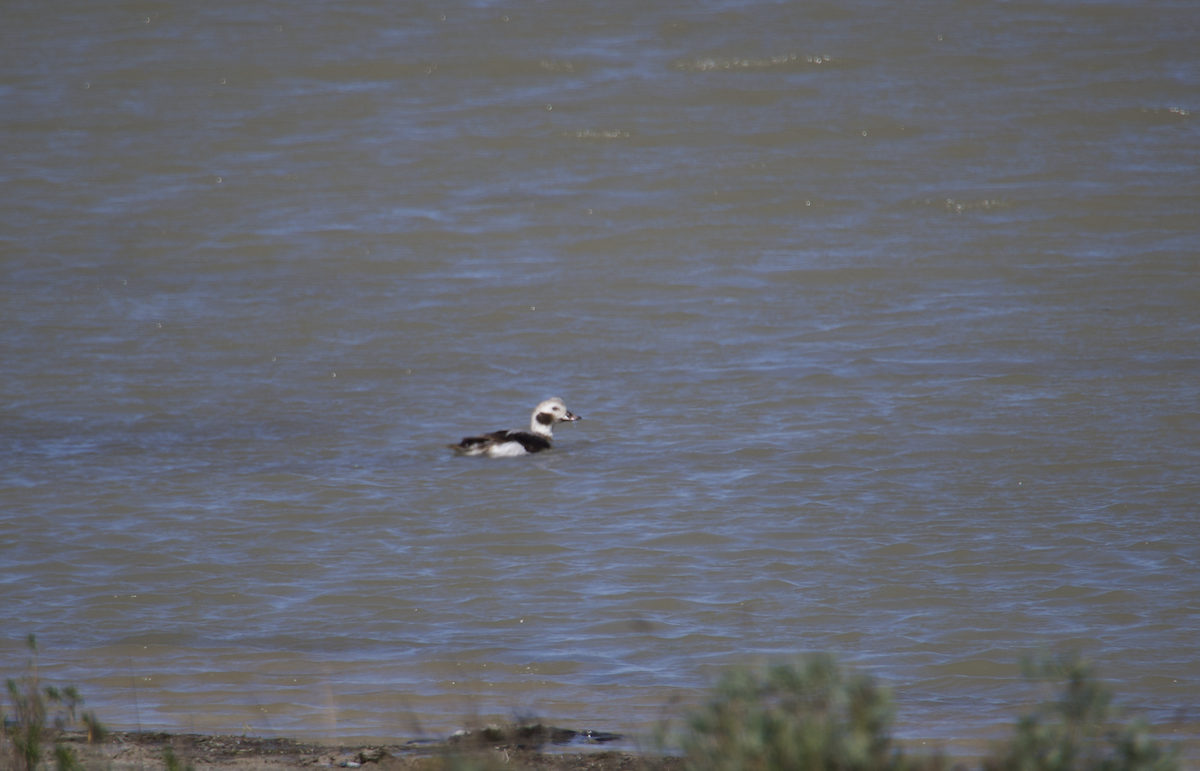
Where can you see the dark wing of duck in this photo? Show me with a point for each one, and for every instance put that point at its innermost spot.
(531, 442)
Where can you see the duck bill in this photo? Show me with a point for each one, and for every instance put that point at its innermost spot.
(569, 417)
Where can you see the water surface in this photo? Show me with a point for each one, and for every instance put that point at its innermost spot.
(883, 321)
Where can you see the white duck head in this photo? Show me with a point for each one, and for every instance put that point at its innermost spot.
(546, 414)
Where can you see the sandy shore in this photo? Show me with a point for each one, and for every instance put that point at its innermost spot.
(126, 751)
(147, 751)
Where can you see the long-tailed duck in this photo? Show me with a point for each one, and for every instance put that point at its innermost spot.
(510, 444)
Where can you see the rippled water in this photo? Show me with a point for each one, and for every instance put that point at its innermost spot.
(883, 321)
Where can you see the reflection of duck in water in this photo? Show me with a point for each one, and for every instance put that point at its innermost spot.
(510, 444)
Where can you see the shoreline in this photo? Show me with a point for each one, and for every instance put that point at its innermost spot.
(147, 751)
(139, 751)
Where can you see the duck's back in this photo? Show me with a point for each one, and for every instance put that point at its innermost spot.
(503, 444)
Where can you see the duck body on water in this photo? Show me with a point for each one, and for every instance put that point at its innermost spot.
(512, 444)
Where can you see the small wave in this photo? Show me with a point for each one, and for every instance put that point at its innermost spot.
(706, 64)
(958, 207)
(1155, 115)
(1168, 110)
(556, 66)
(597, 134)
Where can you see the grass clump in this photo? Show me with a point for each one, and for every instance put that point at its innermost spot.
(41, 713)
(1078, 730)
(806, 716)
(172, 762)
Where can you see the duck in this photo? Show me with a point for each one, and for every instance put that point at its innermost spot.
(513, 444)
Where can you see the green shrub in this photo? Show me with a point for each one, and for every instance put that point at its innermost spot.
(1075, 731)
(65, 759)
(172, 762)
(41, 714)
(808, 716)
